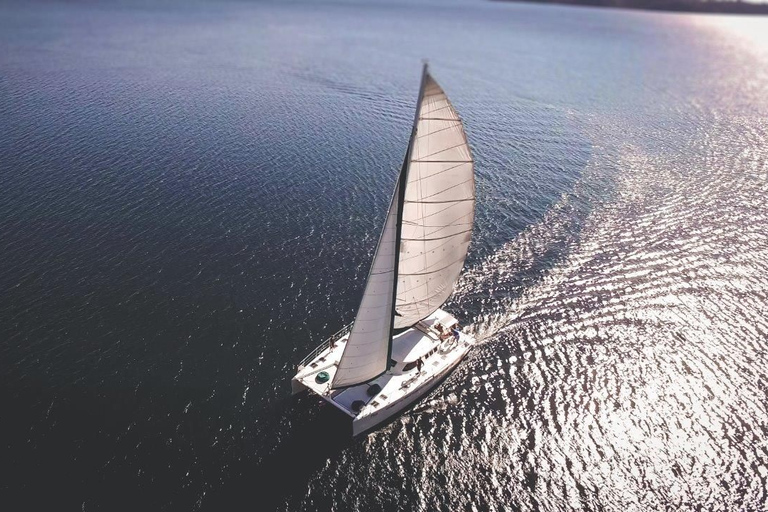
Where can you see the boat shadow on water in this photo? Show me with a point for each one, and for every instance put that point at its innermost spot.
(316, 433)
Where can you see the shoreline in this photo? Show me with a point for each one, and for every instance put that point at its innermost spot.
(689, 6)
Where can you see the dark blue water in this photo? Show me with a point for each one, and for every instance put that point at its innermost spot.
(190, 195)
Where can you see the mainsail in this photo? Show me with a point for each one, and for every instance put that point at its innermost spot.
(438, 212)
(425, 239)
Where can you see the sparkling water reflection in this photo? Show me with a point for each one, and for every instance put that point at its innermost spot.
(190, 202)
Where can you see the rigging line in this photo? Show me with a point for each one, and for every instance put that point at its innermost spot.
(444, 225)
(470, 161)
(440, 172)
(448, 101)
(443, 242)
(459, 216)
(434, 99)
(448, 105)
(432, 234)
(462, 143)
(404, 305)
(439, 291)
(441, 225)
(460, 260)
(448, 243)
(437, 131)
(439, 119)
(443, 191)
(443, 202)
(437, 238)
(414, 293)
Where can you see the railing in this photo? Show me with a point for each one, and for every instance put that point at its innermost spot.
(325, 345)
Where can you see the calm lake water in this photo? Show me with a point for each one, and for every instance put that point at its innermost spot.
(190, 198)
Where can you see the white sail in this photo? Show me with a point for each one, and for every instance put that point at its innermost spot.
(438, 211)
(367, 352)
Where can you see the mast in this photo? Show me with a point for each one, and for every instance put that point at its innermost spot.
(402, 182)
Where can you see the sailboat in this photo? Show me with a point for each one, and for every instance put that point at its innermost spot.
(401, 344)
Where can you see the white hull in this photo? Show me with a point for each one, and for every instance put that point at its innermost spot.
(360, 425)
(371, 403)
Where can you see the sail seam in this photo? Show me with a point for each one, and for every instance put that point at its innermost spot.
(438, 212)
(441, 172)
(436, 271)
(439, 109)
(442, 151)
(437, 131)
(448, 242)
(442, 161)
(443, 202)
(436, 238)
(443, 191)
(442, 226)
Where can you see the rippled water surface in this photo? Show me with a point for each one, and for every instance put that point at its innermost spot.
(191, 193)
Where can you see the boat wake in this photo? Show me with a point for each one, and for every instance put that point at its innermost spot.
(617, 341)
